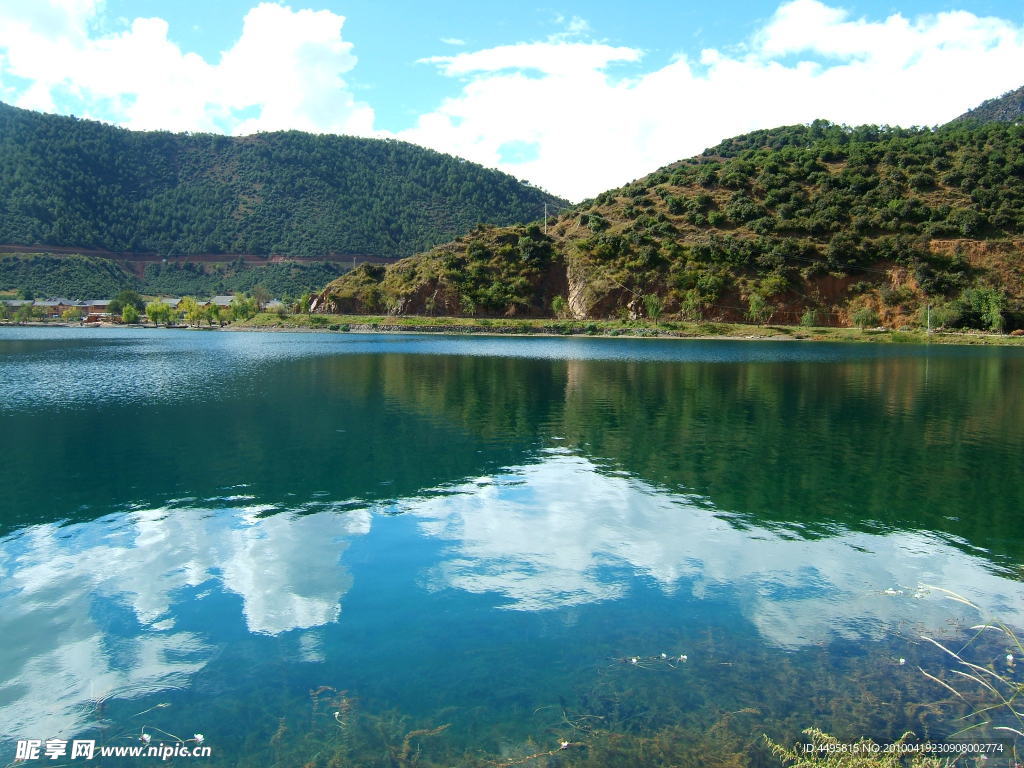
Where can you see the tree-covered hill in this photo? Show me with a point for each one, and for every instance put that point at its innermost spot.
(71, 182)
(279, 278)
(88, 277)
(68, 277)
(820, 223)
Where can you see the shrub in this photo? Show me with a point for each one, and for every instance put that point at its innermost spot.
(943, 316)
(653, 305)
(810, 318)
(864, 317)
(560, 307)
(758, 309)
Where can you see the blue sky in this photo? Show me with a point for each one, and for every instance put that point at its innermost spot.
(573, 96)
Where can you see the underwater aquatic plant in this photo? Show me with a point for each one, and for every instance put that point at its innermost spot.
(825, 751)
(995, 690)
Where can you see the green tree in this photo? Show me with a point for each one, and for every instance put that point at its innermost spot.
(157, 312)
(691, 308)
(129, 313)
(992, 314)
(25, 313)
(810, 318)
(126, 298)
(241, 308)
(864, 317)
(71, 315)
(560, 307)
(260, 295)
(758, 309)
(653, 305)
(192, 311)
(217, 314)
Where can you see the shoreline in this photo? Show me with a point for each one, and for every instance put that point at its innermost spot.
(547, 328)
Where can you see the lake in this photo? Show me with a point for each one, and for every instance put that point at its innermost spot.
(338, 549)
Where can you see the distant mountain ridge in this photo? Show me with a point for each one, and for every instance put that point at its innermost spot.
(84, 184)
(1008, 108)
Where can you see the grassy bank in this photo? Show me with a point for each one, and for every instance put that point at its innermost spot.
(630, 328)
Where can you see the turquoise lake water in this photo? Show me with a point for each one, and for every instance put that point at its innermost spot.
(339, 549)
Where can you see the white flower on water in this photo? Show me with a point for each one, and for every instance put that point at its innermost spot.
(634, 660)
(563, 745)
(145, 738)
(199, 738)
(1009, 658)
(664, 655)
(683, 657)
(902, 661)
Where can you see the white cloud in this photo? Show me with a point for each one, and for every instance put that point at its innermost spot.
(592, 127)
(453, 41)
(810, 60)
(287, 67)
(573, 26)
(551, 58)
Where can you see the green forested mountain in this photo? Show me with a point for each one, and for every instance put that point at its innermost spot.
(68, 277)
(88, 277)
(279, 278)
(1007, 108)
(814, 222)
(84, 184)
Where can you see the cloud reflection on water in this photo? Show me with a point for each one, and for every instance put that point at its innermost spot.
(63, 650)
(561, 533)
(544, 536)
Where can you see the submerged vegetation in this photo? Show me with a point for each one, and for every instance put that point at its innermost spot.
(712, 710)
(767, 226)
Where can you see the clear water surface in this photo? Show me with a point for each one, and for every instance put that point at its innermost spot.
(337, 549)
